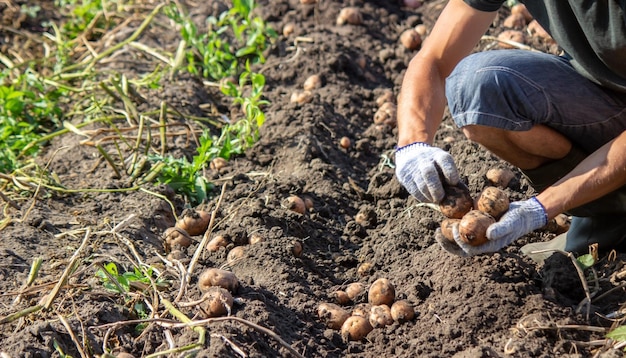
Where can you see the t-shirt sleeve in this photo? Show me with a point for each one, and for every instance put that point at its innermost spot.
(485, 5)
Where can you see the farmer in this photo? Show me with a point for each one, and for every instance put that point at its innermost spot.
(560, 119)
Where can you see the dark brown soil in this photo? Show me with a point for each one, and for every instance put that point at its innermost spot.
(488, 306)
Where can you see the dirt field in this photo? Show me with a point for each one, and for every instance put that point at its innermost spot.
(500, 305)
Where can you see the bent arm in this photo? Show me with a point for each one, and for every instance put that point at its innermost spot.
(422, 98)
(599, 174)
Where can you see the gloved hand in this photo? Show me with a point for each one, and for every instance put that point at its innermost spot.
(521, 218)
(420, 168)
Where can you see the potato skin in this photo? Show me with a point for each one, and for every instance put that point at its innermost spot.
(473, 227)
(493, 201)
(500, 177)
(355, 328)
(332, 315)
(381, 292)
(446, 228)
(194, 222)
(217, 277)
(456, 202)
(218, 302)
(402, 311)
(380, 316)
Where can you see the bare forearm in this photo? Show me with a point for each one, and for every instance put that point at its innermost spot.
(421, 103)
(599, 174)
(422, 98)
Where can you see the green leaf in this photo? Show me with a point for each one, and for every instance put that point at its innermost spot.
(586, 261)
(618, 334)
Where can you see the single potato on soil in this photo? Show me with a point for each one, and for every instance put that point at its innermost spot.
(217, 277)
(332, 315)
(355, 328)
(381, 292)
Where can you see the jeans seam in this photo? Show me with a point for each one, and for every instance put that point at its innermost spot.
(521, 76)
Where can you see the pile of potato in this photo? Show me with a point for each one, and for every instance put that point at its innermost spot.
(380, 310)
(473, 216)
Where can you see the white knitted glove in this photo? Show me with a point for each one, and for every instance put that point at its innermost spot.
(420, 168)
(521, 218)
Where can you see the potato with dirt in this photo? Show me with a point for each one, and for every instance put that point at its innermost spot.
(355, 328)
(217, 277)
(381, 292)
(216, 301)
(332, 315)
(473, 227)
(493, 201)
(456, 202)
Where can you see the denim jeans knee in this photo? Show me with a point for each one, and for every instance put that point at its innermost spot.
(516, 89)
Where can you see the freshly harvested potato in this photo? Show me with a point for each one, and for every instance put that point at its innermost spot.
(362, 309)
(493, 201)
(217, 277)
(446, 228)
(312, 82)
(218, 163)
(354, 290)
(332, 315)
(295, 247)
(508, 36)
(411, 39)
(381, 292)
(402, 311)
(295, 204)
(386, 114)
(355, 328)
(456, 202)
(235, 254)
(341, 297)
(473, 227)
(386, 96)
(514, 21)
(175, 237)
(500, 177)
(350, 15)
(521, 9)
(256, 238)
(558, 225)
(216, 302)
(217, 242)
(365, 269)
(301, 97)
(194, 222)
(380, 316)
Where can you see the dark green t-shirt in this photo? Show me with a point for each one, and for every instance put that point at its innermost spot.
(592, 32)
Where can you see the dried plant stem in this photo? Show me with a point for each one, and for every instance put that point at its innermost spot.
(67, 326)
(249, 324)
(70, 267)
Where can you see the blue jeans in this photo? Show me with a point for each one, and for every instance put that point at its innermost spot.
(516, 89)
